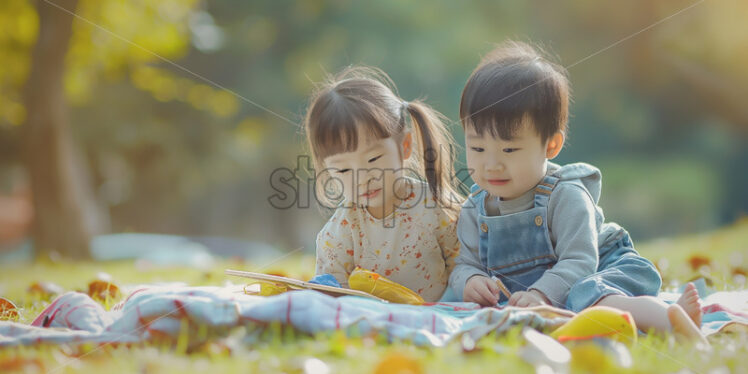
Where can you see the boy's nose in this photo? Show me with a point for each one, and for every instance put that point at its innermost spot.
(494, 166)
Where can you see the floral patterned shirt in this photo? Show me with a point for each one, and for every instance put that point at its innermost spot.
(416, 245)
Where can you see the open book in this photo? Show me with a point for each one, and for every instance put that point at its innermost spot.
(299, 284)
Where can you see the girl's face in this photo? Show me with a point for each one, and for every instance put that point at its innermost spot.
(372, 176)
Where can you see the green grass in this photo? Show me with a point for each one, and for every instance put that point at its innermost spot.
(281, 349)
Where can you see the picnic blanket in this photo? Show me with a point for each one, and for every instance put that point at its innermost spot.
(159, 312)
(152, 313)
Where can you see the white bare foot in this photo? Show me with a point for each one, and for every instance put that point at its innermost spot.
(684, 328)
(690, 303)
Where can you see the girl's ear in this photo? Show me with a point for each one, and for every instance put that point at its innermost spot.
(407, 145)
(555, 143)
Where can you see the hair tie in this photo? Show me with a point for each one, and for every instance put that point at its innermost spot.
(403, 110)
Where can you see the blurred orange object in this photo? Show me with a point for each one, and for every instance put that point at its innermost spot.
(20, 364)
(44, 290)
(697, 261)
(8, 310)
(16, 214)
(102, 290)
(398, 363)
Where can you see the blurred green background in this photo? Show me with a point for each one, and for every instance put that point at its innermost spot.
(176, 112)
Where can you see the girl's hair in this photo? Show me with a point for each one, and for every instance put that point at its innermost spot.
(365, 99)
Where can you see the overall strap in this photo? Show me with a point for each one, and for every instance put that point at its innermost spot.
(475, 190)
(543, 190)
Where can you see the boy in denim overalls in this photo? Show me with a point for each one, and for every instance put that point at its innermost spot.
(536, 225)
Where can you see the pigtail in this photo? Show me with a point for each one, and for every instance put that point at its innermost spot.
(436, 152)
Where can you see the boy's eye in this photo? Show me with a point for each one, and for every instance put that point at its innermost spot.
(477, 149)
(342, 171)
(375, 158)
(510, 150)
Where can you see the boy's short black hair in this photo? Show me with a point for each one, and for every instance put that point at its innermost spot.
(511, 83)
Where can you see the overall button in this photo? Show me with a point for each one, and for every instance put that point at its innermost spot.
(538, 220)
(484, 227)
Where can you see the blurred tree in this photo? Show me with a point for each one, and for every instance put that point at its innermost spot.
(67, 213)
(71, 53)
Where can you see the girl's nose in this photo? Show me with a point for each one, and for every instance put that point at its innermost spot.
(369, 176)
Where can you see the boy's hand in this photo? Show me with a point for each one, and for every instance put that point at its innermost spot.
(528, 298)
(481, 290)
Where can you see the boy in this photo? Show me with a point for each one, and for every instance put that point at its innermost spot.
(536, 225)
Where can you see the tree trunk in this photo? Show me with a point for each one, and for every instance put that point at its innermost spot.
(65, 209)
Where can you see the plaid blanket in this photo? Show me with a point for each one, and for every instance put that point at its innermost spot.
(153, 313)
(161, 312)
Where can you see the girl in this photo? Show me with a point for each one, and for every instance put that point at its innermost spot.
(396, 206)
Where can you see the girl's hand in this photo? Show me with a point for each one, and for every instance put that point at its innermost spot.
(481, 290)
(528, 298)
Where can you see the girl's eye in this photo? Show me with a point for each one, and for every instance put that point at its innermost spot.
(477, 149)
(375, 158)
(510, 150)
(343, 171)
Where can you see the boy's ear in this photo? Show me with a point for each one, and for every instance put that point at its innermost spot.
(407, 145)
(555, 143)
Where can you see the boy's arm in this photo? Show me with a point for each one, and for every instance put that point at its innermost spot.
(335, 252)
(468, 262)
(575, 232)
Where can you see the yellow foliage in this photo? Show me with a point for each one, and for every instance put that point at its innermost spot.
(165, 86)
(198, 96)
(110, 37)
(249, 133)
(13, 112)
(262, 33)
(19, 25)
(224, 103)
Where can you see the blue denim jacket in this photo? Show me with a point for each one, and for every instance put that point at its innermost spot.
(518, 249)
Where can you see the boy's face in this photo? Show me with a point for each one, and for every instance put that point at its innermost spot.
(369, 174)
(507, 168)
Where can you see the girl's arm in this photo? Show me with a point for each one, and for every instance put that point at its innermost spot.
(446, 236)
(335, 251)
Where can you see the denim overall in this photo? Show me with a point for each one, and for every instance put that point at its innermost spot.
(517, 249)
(621, 271)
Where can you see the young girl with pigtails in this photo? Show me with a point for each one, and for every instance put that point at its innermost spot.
(385, 163)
